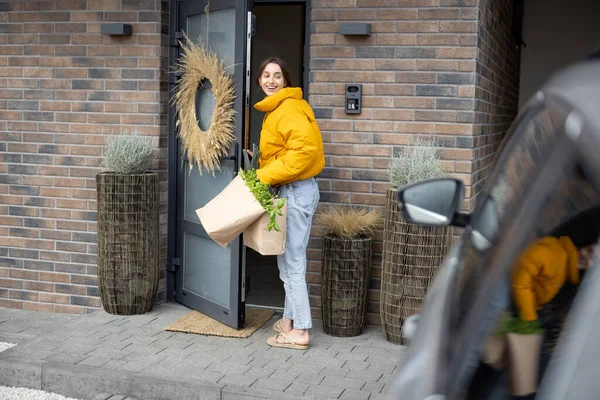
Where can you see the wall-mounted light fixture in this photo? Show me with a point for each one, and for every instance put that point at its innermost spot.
(116, 29)
(355, 29)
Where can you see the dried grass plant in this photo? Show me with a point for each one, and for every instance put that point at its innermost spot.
(204, 148)
(129, 154)
(417, 163)
(350, 222)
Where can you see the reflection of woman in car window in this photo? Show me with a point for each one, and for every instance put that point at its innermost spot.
(569, 225)
(541, 271)
(508, 187)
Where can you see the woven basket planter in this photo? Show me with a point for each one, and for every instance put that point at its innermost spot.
(412, 255)
(128, 246)
(346, 272)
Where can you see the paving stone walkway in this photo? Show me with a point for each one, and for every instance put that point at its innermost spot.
(99, 354)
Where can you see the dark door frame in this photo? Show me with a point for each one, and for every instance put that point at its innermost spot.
(172, 157)
(172, 151)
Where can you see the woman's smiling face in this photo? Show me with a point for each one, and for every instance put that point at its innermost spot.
(272, 80)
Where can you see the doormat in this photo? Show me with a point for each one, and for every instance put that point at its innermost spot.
(196, 322)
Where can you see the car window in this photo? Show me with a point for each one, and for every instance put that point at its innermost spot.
(567, 218)
(561, 207)
(516, 169)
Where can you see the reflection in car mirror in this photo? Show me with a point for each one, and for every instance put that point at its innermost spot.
(433, 202)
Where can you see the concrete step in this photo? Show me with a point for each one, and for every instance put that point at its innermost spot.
(90, 383)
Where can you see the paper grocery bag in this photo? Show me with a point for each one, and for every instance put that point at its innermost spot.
(228, 214)
(267, 243)
(523, 362)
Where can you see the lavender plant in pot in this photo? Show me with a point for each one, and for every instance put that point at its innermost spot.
(412, 253)
(128, 226)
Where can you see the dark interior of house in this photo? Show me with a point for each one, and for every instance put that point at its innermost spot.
(279, 32)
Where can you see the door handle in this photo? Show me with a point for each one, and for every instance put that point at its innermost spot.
(235, 157)
(250, 29)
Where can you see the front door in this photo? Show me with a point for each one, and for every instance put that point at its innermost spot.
(209, 277)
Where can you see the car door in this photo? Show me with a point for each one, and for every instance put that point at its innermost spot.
(503, 223)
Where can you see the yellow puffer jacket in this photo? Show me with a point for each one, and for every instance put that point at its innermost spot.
(541, 271)
(291, 147)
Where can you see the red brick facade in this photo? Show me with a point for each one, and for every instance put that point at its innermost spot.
(63, 87)
(447, 68)
(497, 87)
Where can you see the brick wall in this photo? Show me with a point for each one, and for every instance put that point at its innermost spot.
(497, 86)
(419, 70)
(446, 68)
(64, 88)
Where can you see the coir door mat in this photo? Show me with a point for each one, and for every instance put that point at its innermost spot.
(196, 322)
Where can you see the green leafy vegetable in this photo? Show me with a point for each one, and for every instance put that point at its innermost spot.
(264, 196)
(519, 326)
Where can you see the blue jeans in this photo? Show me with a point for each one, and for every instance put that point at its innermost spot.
(302, 198)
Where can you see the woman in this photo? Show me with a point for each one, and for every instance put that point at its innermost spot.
(291, 154)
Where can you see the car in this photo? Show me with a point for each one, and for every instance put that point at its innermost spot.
(545, 182)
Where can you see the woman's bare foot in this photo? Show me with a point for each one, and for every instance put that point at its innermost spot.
(283, 325)
(286, 324)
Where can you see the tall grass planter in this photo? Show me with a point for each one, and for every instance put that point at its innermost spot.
(346, 267)
(346, 273)
(128, 241)
(412, 255)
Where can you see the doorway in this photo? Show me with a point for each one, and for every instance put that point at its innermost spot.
(279, 31)
(200, 273)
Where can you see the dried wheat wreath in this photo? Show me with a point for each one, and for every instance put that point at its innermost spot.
(204, 148)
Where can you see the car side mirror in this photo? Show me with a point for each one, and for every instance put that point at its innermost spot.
(434, 202)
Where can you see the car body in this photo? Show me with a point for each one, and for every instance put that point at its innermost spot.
(545, 181)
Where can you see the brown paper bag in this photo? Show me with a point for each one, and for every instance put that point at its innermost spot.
(494, 352)
(267, 243)
(230, 212)
(523, 362)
